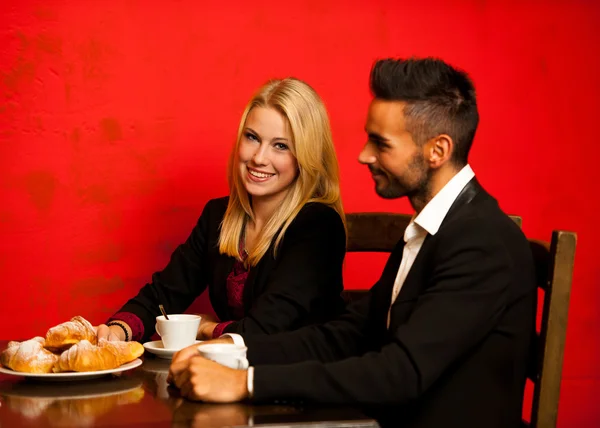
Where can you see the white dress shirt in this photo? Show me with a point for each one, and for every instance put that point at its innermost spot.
(414, 235)
(428, 221)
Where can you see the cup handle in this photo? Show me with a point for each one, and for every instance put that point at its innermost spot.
(157, 330)
(243, 364)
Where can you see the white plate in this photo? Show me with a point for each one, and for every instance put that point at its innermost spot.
(156, 347)
(67, 376)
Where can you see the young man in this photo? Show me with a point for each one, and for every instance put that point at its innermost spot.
(443, 338)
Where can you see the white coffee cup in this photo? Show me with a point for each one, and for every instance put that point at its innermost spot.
(179, 331)
(227, 354)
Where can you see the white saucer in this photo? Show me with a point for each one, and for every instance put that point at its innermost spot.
(68, 376)
(156, 347)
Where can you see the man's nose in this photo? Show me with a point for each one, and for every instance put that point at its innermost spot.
(367, 155)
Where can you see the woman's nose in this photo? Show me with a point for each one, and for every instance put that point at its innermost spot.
(260, 155)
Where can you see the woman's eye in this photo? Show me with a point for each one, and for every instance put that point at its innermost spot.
(251, 137)
(281, 146)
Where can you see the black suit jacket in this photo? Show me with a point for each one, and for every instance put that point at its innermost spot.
(301, 286)
(456, 350)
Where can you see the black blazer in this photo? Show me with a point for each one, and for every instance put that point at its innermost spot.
(301, 286)
(456, 350)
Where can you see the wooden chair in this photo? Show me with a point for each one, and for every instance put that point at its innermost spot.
(373, 232)
(379, 232)
(554, 269)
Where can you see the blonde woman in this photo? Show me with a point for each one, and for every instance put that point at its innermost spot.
(271, 253)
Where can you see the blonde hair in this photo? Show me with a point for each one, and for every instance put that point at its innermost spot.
(318, 171)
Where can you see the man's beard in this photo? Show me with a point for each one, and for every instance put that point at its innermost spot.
(414, 184)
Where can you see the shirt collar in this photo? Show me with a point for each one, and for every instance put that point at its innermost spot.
(431, 216)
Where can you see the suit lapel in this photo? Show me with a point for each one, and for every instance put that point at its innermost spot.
(464, 198)
(417, 276)
(250, 285)
(412, 283)
(218, 289)
(388, 277)
(256, 279)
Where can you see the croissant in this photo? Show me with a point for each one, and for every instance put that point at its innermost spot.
(84, 356)
(29, 356)
(69, 333)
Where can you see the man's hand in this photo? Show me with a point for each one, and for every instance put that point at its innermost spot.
(192, 350)
(207, 326)
(200, 379)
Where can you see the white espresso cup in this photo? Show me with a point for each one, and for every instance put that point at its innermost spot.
(227, 354)
(179, 331)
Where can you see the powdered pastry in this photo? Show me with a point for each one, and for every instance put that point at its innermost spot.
(29, 356)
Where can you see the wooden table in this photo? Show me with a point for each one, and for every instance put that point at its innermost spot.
(142, 398)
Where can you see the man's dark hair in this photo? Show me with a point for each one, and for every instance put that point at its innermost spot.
(439, 100)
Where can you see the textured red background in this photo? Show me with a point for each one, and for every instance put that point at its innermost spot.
(116, 119)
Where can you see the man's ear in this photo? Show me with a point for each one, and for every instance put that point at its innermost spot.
(439, 150)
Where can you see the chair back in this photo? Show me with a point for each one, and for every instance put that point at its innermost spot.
(373, 232)
(554, 269)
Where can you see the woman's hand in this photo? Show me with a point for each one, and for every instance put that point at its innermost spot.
(112, 333)
(207, 326)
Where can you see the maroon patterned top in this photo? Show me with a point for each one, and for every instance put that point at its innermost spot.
(132, 320)
(236, 280)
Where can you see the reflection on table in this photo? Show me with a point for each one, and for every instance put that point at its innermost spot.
(69, 404)
(192, 414)
(142, 397)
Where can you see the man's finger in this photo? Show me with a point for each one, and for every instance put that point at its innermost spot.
(185, 354)
(182, 378)
(185, 389)
(175, 370)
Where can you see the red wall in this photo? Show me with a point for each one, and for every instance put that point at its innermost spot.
(116, 119)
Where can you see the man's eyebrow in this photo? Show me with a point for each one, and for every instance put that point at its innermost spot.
(375, 136)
